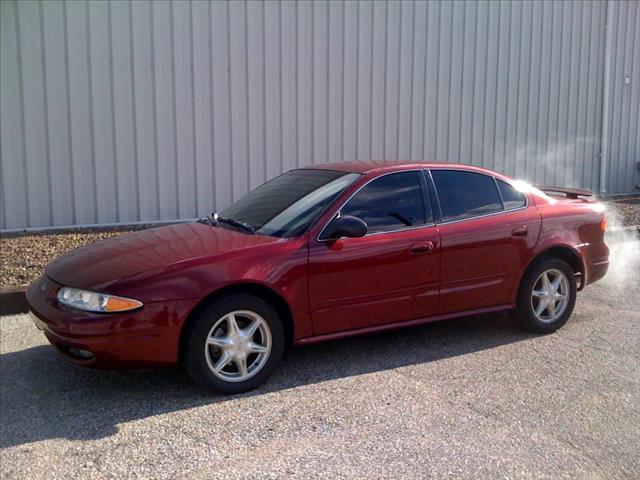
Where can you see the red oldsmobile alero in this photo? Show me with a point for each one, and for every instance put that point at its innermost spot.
(319, 253)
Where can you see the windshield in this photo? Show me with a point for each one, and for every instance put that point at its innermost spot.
(287, 205)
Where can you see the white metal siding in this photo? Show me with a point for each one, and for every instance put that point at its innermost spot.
(142, 111)
(624, 126)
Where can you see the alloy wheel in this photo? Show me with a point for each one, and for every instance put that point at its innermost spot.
(238, 346)
(550, 295)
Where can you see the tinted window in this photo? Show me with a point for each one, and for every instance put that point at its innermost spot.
(465, 194)
(511, 197)
(388, 203)
(287, 205)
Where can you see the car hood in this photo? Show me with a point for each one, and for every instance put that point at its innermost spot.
(114, 259)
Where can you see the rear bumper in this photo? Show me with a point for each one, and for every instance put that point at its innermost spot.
(595, 258)
(144, 338)
(597, 270)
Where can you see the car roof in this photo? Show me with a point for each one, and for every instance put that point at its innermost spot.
(366, 166)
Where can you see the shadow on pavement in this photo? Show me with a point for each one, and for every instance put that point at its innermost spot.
(44, 397)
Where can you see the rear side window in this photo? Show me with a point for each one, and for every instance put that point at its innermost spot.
(391, 202)
(465, 194)
(511, 197)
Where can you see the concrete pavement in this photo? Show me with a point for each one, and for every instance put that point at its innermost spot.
(473, 398)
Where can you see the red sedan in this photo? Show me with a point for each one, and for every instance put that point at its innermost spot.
(321, 253)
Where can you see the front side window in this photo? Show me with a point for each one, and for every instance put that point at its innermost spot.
(289, 204)
(465, 194)
(511, 197)
(391, 202)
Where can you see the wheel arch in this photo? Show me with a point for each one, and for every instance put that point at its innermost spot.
(562, 252)
(251, 288)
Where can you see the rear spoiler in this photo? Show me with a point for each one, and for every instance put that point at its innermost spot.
(572, 193)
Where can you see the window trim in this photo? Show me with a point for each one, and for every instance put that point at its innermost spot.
(417, 170)
(442, 222)
(526, 199)
(435, 200)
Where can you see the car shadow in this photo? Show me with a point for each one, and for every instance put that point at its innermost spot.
(45, 397)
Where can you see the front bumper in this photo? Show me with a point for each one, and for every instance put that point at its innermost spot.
(143, 338)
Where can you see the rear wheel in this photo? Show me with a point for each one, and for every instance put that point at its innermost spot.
(546, 297)
(234, 344)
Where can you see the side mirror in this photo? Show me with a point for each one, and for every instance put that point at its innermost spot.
(344, 226)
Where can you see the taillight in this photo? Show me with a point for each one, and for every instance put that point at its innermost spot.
(603, 225)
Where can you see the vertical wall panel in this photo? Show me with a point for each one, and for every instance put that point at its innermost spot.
(273, 89)
(405, 87)
(591, 174)
(569, 174)
(420, 26)
(365, 79)
(479, 72)
(523, 66)
(256, 61)
(144, 110)
(36, 152)
(114, 112)
(15, 192)
(453, 132)
(534, 91)
(507, 161)
(335, 84)
(124, 113)
(467, 80)
(431, 82)
(580, 109)
(203, 107)
(497, 110)
(184, 109)
(378, 80)
(222, 103)
(288, 48)
(631, 144)
(164, 107)
(305, 82)
(392, 80)
(102, 98)
(443, 64)
(623, 172)
(58, 113)
(320, 82)
(349, 120)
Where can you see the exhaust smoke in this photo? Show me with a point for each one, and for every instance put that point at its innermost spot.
(624, 244)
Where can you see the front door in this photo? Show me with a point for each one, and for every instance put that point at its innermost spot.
(389, 275)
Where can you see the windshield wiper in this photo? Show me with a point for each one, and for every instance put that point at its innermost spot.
(214, 219)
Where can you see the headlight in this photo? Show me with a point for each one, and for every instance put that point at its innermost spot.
(95, 302)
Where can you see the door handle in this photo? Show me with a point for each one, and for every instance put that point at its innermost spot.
(422, 247)
(520, 231)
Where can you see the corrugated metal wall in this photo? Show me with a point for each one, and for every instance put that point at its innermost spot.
(123, 112)
(623, 130)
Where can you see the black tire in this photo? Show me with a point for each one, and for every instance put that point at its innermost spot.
(524, 315)
(197, 331)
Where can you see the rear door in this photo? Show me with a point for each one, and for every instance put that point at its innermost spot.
(487, 232)
(389, 275)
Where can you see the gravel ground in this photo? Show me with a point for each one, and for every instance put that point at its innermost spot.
(627, 210)
(473, 398)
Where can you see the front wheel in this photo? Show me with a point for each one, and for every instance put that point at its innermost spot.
(234, 344)
(546, 297)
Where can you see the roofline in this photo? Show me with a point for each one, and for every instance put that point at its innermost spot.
(375, 166)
